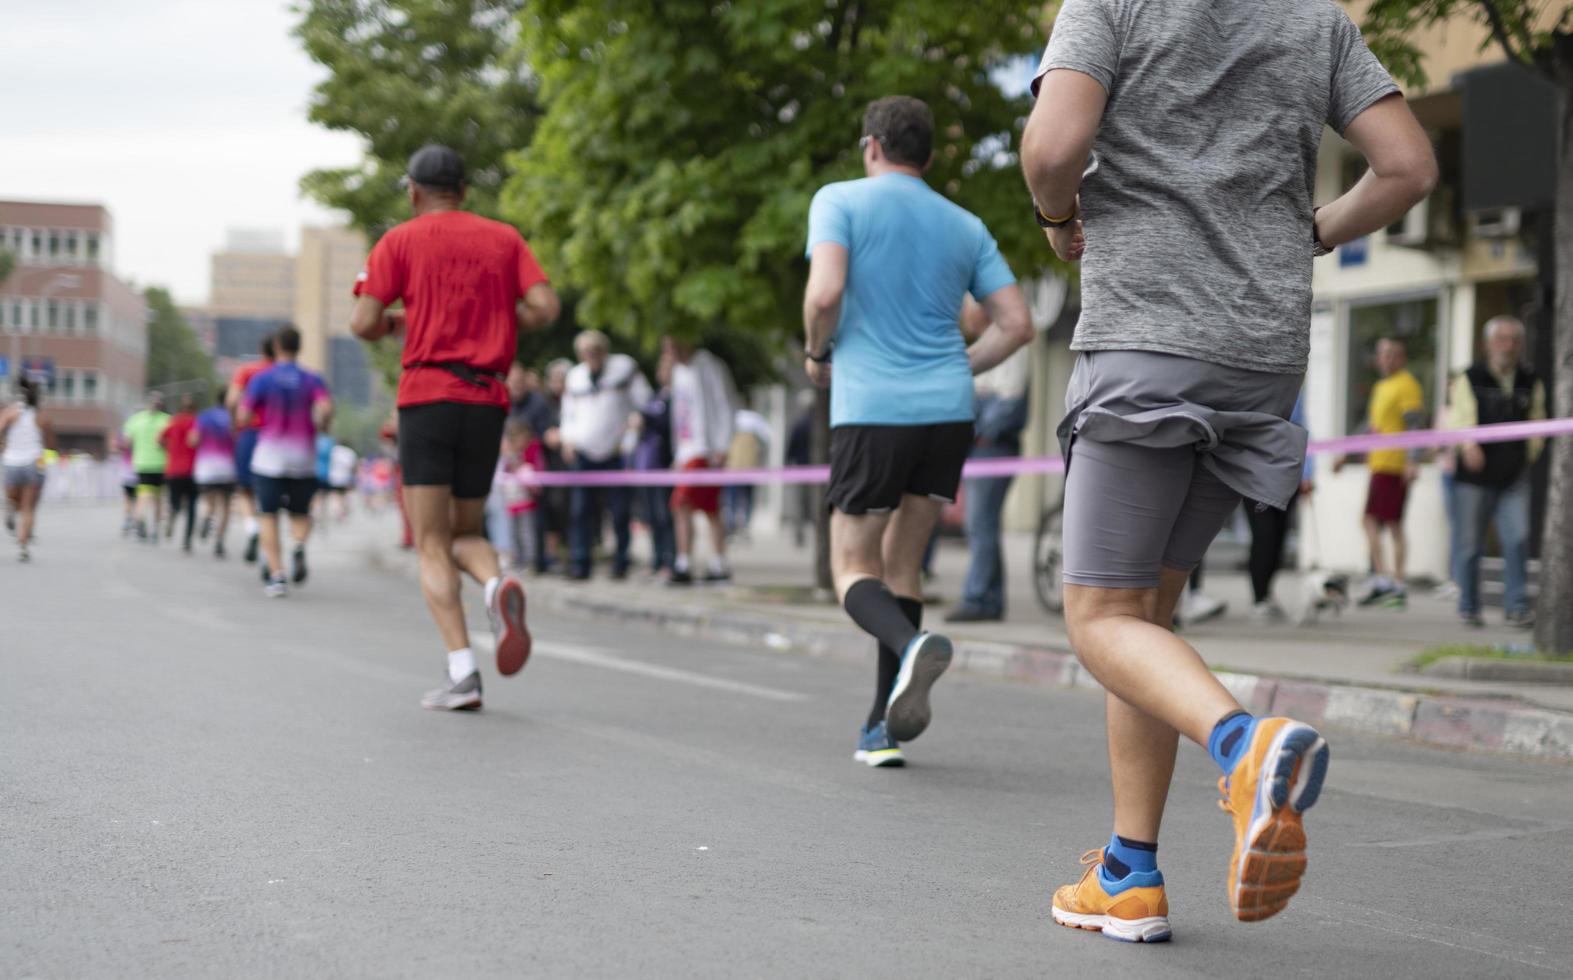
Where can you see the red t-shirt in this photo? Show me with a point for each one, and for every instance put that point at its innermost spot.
(182, 457)
(242, 378)
(461, 277)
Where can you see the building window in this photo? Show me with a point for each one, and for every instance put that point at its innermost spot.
(90, 386)
(38, 244)
(92, 248)
(16, 313)
(54, 245)
(66, 389)
(52, 317)
(1415, 322)
(71, 317)
(32, 313)
(89, 317)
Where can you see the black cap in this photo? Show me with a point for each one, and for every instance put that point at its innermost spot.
(437, 166)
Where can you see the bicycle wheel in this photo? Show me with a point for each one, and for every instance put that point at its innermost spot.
(1048, 561)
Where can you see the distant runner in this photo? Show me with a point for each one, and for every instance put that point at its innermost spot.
(144, 430)
(468, 285)
(246, 441)
(293, 404)
(25, 434)
(214, 440)
(182, 459)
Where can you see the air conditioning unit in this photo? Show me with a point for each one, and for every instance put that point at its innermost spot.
(1413, 230)
(1495, 223)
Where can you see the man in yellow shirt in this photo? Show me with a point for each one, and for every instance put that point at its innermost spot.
(1491, 481)
(1397, 405)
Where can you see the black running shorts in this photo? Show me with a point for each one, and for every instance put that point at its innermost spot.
(276, 493)
(872, 466)
(451, 444)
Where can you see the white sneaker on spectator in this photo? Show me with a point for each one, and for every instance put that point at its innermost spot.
(1197, 607)
(1268, 611)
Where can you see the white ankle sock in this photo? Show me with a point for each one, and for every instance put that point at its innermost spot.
(681, 564)
(461, 664)
(717, 565)
(492, 585)
(251, 526)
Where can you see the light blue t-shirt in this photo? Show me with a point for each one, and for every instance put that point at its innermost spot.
(912, 257)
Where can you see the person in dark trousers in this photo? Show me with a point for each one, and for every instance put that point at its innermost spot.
(1491, 480)
(653, 452)
(1269, 532)
(1187, 134)
(179, 469)
(1001, 416)
(891, 261)
(469, 285)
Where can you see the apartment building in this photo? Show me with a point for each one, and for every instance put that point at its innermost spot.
(69, 321)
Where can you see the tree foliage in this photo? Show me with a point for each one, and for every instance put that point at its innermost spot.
(404, 73)
(669, 179)
(173, 352)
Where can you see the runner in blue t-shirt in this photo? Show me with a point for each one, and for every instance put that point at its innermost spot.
(891, 263)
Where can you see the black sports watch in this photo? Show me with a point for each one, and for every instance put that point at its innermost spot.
(1317, 248)
(823, 357)
(1044, 221)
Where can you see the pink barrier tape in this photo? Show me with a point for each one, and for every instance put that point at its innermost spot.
(1022, 465)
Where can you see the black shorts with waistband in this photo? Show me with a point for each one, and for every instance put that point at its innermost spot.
(873, 466)
(451, 444)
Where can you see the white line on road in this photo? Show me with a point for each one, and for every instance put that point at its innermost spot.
(607, 661)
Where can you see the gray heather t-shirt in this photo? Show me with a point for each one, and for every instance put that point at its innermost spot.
(1197, 202)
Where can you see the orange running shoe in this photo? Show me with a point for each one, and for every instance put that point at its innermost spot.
(1136, 912)
(1277, 779)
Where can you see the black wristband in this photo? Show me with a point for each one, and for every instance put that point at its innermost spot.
(824, 356)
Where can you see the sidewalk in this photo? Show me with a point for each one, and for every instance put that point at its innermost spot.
(1345, 671)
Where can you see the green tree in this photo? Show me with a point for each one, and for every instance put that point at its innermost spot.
(173, 353)
(1539, 37)
(669, 180)
(404, 73)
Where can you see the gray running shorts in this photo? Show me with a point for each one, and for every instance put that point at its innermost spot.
(1131, 511)
(1161, 450)
(23, 476)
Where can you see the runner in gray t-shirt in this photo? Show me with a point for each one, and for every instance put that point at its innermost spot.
(1174, 145)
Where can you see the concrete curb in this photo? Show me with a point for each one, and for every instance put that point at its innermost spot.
(1497, 725)
(1515, 671)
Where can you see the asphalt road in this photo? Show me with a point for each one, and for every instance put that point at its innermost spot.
(196, 782)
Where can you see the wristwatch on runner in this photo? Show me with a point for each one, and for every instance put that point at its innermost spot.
(1044, 221)
(823, 357)
(1317, 248)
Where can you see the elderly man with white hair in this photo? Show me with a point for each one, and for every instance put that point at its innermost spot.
(601, 393)
(1491, 480)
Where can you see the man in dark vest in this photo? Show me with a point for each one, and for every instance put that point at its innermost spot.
(1492, 479)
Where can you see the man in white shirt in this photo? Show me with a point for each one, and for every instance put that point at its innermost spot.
(600, 394)
(702, 408)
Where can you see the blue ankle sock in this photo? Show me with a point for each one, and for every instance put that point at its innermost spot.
(1229, 738)
(1124, 855)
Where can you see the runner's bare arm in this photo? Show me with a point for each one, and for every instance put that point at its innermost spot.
(1009, 328)
(539, 307)
(1058, 139)
(827, 282)
(1403, 171)
(322, 413)
(367, 320)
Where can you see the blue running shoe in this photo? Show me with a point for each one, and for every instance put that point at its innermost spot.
(878, 749)
(907, 713)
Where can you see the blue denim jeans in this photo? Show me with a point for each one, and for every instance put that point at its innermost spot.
(584, 517)
(656, 505)
(984, 588)
(1508, 508)
(1455, 527)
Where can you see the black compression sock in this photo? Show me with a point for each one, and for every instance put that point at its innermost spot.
(890, 662)
(875, 609)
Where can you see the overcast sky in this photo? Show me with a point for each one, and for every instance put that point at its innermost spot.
(185, 117)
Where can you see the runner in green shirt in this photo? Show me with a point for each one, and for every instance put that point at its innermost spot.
(143, 430)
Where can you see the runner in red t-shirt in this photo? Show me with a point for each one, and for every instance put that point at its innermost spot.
(246, 440)
(180, 461)
(468, 285)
